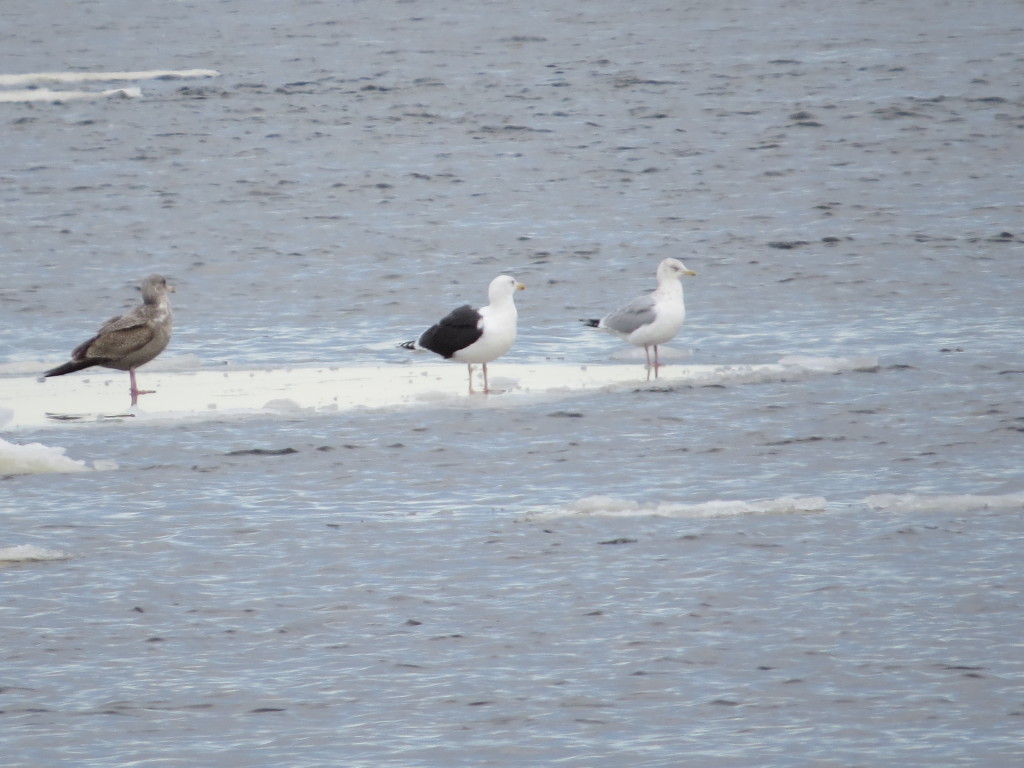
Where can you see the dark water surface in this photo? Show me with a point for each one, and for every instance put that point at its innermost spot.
(823, 571)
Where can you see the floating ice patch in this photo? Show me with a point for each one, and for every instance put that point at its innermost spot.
(8, 81)
(38, 459)
(912, 502)
(38, 81)
(45, 94)
(830, 364)
(28, 553)
(98, 395)
(610, 506)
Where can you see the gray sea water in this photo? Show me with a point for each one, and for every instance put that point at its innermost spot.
(618, 578)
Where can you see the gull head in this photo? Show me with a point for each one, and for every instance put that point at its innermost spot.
(674, 268)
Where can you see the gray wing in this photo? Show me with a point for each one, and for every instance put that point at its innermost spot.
(126, 338)
(639, 312)
(138, 316)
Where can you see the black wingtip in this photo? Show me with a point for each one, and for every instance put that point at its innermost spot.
(591, 323)
(407, 345)
(74, 365)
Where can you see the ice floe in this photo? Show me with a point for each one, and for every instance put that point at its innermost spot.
(8, 81)
(98, 395)
(38, 459)
(31, 87)
(914, 502)
(45, 94)
(28, 553)
(611, 506)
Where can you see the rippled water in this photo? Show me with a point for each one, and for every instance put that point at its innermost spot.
(817, 571)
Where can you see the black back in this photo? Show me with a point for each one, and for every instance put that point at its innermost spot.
(456, 330)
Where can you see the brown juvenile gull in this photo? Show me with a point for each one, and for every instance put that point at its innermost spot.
(127, 341)
(653, 318)
(475, 335)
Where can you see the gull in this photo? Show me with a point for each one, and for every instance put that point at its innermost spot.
(470, 335)
(128, 341)
(653, 318)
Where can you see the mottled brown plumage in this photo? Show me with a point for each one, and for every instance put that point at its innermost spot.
(128, 341)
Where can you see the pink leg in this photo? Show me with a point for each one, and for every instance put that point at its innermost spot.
(470, 367)
(647, 352)
(656, 363)
(487, 388)
(135, 389)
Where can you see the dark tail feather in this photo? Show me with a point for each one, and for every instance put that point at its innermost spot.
(593, 323)
(74, 365)
(408, 345)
